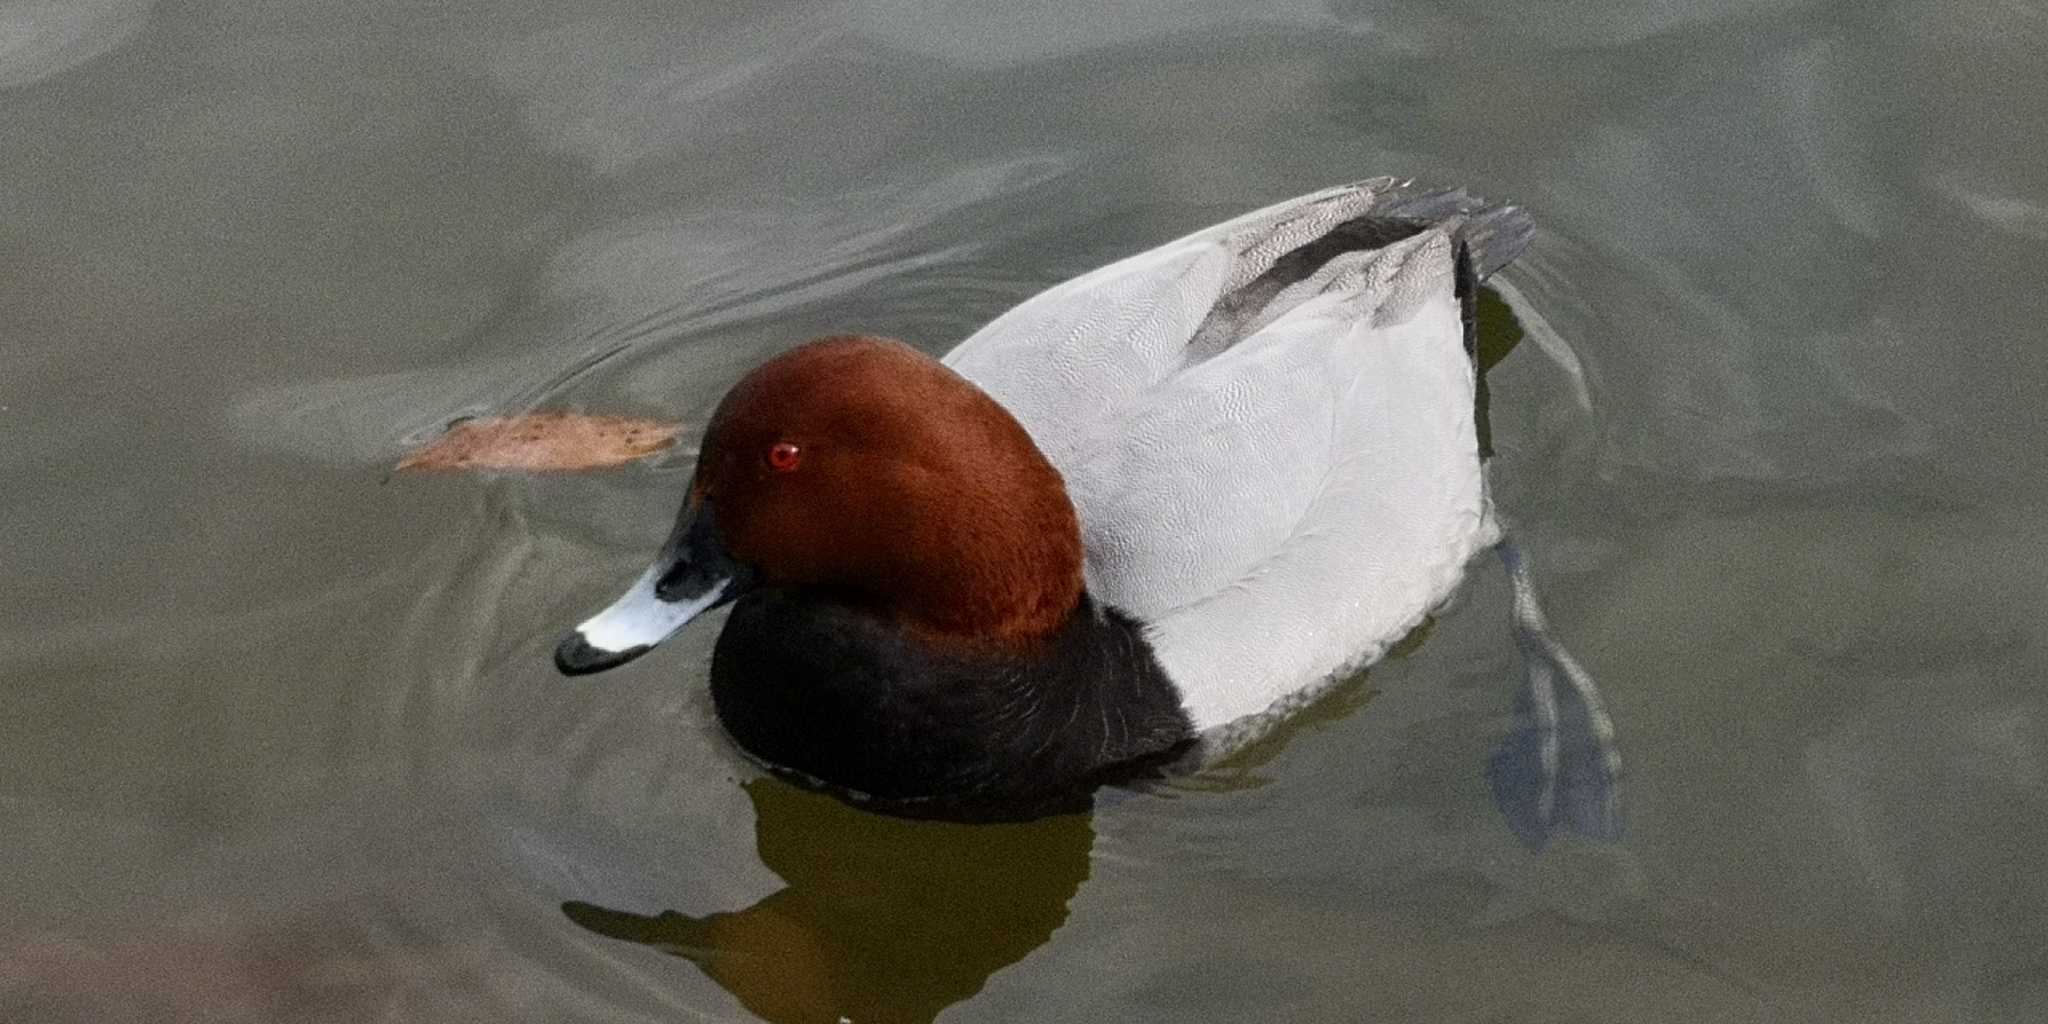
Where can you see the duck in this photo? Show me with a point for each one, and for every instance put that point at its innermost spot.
(1132, 522)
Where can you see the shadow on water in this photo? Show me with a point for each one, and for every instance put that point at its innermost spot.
(882, 918)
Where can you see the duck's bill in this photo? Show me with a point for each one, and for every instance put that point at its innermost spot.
(693, 575)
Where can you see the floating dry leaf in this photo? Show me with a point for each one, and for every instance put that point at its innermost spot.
(540, 441)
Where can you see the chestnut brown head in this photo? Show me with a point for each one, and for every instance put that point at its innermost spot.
(864, 468)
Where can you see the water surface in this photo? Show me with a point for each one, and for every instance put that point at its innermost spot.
(281, 740)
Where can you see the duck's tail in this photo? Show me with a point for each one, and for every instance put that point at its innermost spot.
(1485, 237)
(1494, 233)
(1292, 251)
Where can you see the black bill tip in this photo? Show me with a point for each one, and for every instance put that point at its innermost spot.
(574, 656)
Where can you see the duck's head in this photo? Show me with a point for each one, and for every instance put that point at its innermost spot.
(860, 468)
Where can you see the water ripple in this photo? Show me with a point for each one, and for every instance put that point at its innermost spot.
(41, 39)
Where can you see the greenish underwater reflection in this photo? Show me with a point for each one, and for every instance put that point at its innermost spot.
(1496, 334)
(883, 918)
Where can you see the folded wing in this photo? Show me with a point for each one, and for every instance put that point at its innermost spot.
(1267, 429)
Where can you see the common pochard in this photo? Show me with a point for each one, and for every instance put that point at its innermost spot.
(1155, 505)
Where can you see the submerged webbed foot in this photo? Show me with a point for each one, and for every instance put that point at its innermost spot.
(1558, 766)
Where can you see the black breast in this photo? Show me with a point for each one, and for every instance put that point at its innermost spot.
(838, 696)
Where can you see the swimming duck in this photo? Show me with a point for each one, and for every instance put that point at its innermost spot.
(1142, 512)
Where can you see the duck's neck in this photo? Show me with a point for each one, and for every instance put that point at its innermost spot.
(834, 693)
(986, 570)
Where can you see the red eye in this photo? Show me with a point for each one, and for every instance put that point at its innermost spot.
(783, 456)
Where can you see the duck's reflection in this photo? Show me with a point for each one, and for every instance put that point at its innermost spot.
(883, 918)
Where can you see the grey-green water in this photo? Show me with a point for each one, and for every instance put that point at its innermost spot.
(279, 739)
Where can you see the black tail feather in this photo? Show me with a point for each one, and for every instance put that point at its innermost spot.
(1487, 236)
(1496, 233)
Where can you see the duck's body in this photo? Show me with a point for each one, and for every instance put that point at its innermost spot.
(1267, 430)
(1211, 477)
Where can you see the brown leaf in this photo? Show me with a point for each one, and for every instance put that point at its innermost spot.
(540, 441)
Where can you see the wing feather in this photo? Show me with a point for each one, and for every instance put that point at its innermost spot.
(1267, 429)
